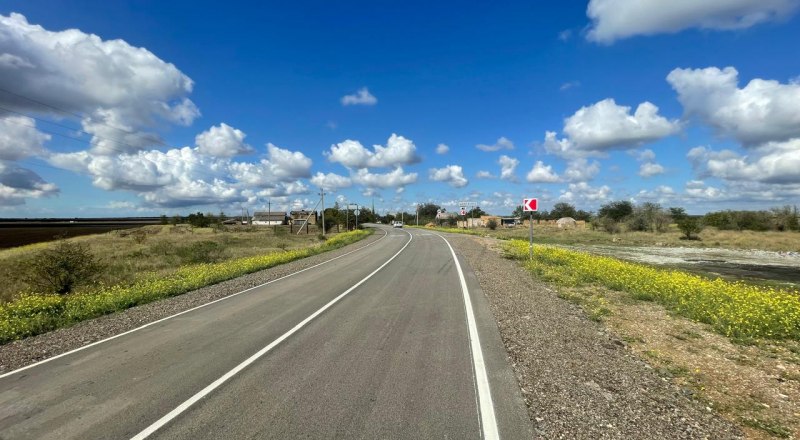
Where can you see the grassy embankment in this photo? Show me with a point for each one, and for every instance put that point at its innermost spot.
(709, 237)
(138, 272)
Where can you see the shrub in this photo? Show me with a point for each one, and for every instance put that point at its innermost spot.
(491, 224)
(608, 224)
(200, 252)
(689, 226)
(62, 267)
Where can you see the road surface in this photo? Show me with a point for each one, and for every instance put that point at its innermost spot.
(394, 340)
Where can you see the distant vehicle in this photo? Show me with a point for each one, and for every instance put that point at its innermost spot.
(397, 224)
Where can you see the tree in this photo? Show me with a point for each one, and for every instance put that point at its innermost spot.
(563, 209)
(428, 211)
(618, 210)
(60, 268)
(677, 214)
(164, 219)
(690, 225)
(475, 212)
(491, 224)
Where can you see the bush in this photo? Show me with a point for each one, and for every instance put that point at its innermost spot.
(491, 224)
(200, 252)
(62, 267)
(608, 224)
(689, 226)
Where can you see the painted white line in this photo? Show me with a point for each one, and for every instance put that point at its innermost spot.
(385, 234)
(214, 385)
(486, 407)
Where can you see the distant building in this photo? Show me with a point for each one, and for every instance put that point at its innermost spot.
(299, 217)
(266, 218)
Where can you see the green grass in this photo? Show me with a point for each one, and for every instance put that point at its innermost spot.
(33, 314)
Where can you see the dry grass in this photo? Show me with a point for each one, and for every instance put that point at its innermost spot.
(756, 386)
(710, 237)
(129, 253)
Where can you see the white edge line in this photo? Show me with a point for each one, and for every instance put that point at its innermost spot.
(488, 419)
(214, 385)
(43, 361)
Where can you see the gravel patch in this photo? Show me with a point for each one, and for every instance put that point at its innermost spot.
(26, 351)
(579, 380)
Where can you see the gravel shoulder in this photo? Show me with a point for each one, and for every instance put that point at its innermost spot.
(579, 380)
(26, 351)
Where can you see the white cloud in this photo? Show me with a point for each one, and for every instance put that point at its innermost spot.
(650, 169)
(763, 111)
(582, 192)
(774, 163)
(569, 85)
(331, 181)
(442, 149)
(281, 165)
(18, 184)
(453, 175)
(485, 175)
(604, 126)
(541, 173)
(396, 178)
(507, 167)
(617, 19)
(580, 170)
(398, 151)
(111, 82)
(502, 143)
(361, 97)
(565, 35)
(19, 138)
(222, 141)
(184, 177)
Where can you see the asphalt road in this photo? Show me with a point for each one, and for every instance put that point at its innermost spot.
(381, 343)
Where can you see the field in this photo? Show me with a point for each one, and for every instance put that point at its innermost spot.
(157, 249)
(21, 233)
(139, 273)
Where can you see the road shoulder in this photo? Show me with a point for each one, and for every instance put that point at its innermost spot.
(578, 379)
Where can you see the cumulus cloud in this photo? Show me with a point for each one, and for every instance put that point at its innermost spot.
(395, 178)
(397, 152)
(507, 167)
(502, 143)
(541, 173)
(617, 19)
(222, 141)
(604, 126)
(773, 163)
(583, 192)
(185, 177)
(361, 97)
(19, 138)
(18, 184)
(453, 175)
(581, 170)
(331, 181)
(442, 149)
(763, 111)
(485, 175)
(650, 169)
(122, 90)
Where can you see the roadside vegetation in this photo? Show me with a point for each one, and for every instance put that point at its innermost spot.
(86, 277)
(733, 346)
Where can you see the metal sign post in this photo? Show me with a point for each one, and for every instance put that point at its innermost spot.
(530, 205)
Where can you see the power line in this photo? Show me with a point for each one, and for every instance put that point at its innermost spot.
(77, 115)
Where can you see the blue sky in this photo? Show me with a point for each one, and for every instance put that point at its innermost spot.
(685, 105)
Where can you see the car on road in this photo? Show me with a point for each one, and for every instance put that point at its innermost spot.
(397, 224)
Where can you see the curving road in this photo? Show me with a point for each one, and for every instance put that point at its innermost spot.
(394, 340)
